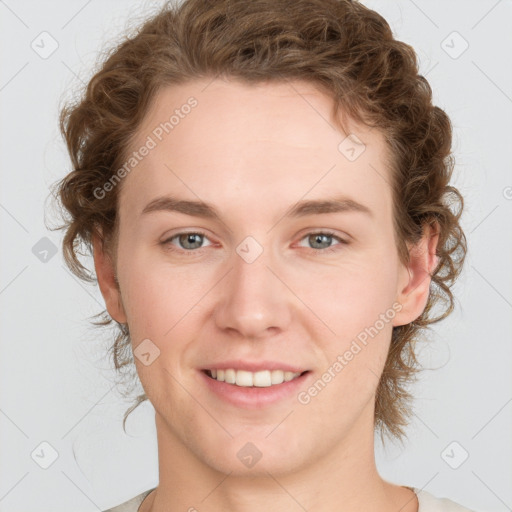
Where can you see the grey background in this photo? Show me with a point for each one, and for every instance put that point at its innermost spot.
(56, 384)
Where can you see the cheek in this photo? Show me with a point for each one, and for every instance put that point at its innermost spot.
(354, 358)
(349, 298)
(158, 296)
(356, 303)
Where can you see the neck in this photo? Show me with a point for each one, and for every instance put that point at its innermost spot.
(343, 479)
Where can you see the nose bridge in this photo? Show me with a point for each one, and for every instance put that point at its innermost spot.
(254, 300)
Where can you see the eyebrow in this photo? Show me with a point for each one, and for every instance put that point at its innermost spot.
(300, 209)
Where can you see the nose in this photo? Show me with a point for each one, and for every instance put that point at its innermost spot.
(253, 302)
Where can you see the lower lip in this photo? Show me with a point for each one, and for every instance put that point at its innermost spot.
(255, 397)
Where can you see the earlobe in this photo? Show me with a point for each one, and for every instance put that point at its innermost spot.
(414, 287)
(107, 281)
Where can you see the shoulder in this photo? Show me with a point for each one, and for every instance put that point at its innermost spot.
(131, 505)
(429, 503)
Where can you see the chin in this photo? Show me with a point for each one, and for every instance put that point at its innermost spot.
(255, 455)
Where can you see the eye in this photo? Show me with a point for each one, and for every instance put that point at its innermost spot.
(322, 241)
(187, 241)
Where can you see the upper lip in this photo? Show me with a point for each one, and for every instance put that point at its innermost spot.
(255, 366)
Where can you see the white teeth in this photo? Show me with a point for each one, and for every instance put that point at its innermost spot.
(277, 377)
(261, 379)
(229, 376)
(243, 378)
(288, 376)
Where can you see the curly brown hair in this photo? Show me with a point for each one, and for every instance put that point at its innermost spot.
(345, 49)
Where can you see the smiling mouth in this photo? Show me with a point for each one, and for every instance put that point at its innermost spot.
(260, 379)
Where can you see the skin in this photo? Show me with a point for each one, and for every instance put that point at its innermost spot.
(253, 151)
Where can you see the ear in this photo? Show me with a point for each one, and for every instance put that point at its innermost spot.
(414, 283)
(105, 272)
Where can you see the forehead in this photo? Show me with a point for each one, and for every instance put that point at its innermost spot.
(227, 141)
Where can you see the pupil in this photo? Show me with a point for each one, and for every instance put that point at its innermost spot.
(321, 239)
(192, 238)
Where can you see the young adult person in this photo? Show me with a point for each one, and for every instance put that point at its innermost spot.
(265, 188)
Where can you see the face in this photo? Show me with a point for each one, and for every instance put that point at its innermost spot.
(253, 238)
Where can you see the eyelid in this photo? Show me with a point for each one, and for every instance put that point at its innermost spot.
(167, 240)
(328, 232)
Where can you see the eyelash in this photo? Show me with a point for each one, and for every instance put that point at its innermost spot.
(192, 252)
